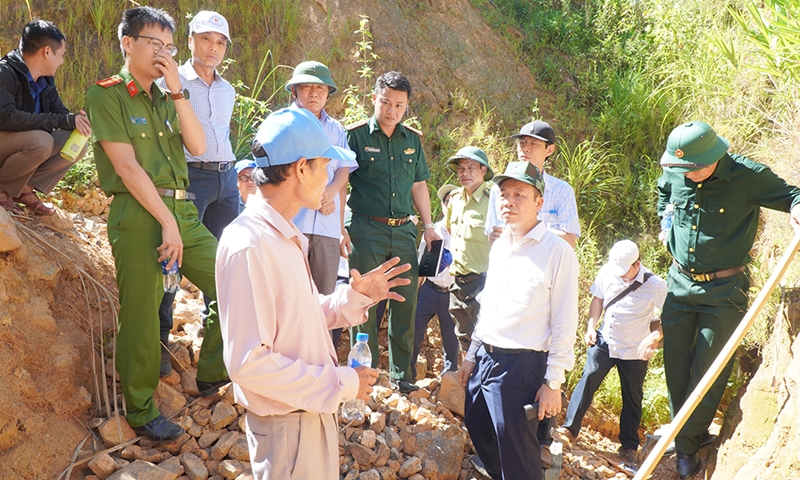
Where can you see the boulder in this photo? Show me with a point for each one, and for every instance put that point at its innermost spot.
(445, 448)
(9, 238)
(452, 394)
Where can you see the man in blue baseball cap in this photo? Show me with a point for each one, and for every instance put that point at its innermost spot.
(274, 321)
(245, 185)
(716, 198)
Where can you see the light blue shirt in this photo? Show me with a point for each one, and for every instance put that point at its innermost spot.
(312, 222)
(559, 210)
(213, 105)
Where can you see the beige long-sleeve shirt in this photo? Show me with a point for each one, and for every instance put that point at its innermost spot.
(274, 322)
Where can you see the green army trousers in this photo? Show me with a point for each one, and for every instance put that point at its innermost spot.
(134, 235)
(373, 243)
(698, 319)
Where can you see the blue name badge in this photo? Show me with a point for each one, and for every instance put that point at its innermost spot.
(138, 121)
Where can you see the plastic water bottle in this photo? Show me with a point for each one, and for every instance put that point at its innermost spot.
(666, 222)
(74, 145)
(360, 355)
(172, 277)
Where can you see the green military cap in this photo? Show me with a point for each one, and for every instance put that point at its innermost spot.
(311, 72)
(692, 146)
(444, 191)
(471, 153)
(524, 172)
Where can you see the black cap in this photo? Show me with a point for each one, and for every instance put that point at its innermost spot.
(538, 129)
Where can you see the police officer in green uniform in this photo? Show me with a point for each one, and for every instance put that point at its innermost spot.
(138, 148)
(716, 198)
(389, 182)
(465, 219)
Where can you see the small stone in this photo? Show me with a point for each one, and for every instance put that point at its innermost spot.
(102, 465)
(429, 469)
(131, 452)
(193, 466)
(370, 475)
(110, 431)
(387, 473)
(382, 454)
(392, 438)
(202, 417)
(368, 438)
(394, 465)
(142, 470)
(240, 451)
(208, 438)
(173, 379)
(168, 400)
(410, 466)
(416, 476)
(173, 465)
(362, 454)
(189, 382)
(223, 415)
(377, 421)
(452, 394)
(181, 358)
(192, 447)
(230, 469)
(224, 445)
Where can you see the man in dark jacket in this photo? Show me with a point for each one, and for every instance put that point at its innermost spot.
(34, 124)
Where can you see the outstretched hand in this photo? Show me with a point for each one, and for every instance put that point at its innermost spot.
(378, 282)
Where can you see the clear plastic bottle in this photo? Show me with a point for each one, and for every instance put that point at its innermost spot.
(666, 222)
(360, 355)
(172, 277)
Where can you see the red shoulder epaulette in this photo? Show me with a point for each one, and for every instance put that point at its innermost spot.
(356, 125)
(418, 132)
(107, 82)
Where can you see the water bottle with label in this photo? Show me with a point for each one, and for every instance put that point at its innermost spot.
(360, 355)
(172, 277)
(666, 222)
(74, 145)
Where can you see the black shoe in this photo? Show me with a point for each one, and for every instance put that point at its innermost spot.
(159, 429)
(477, 463)
(688, 464)
(406, 387)
(629, 456)
(166, 363)
(705, 441)
(210, 388)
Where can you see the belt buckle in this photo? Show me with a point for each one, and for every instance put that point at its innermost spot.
(180, 194)
(393, 222)
(702, 277)
(222, 167)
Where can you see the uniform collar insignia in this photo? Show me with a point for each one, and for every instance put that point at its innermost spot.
(132, 89)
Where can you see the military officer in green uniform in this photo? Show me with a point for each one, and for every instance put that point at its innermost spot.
(389, 182)
(465, 219)
(138, 147)
(716, 197)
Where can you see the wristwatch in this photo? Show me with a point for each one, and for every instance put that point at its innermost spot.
(553, 384)
(429, 225)
(182, 95)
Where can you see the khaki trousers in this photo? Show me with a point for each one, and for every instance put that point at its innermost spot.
(33, 158)
(295, 446)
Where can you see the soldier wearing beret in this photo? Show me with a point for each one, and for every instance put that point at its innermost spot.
(716, 198)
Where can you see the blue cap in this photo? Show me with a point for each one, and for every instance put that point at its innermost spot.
(244, 165)
(290, 134)
(447, 260)
(362, 337)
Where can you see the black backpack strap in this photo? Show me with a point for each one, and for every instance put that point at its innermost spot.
(632, 287)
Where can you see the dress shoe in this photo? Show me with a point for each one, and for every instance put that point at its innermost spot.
(567, 433)
(211, 388)
(166, 363)
(705, 441)
(688, 464)
(406, 387)
(477, 463)
(630, 456)
(547, 458)
(159, 429)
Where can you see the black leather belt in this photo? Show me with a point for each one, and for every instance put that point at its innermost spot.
(439, 288)
(392, 222)
(505, 351)
(216, 166)
(176, 194)
(708, 276)
(469, 277)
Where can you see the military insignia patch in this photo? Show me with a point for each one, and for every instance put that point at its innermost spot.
(107, 82)
(372, 149)
(679, 153)
(132, 90)
(409, 151)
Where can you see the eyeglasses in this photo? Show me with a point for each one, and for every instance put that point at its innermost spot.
(528, 141)
(158, 45)
(245, 178)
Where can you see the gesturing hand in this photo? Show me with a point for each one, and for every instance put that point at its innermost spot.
(378, 282)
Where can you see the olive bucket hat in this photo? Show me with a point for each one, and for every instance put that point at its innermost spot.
(692, 146)
(311, 72)
(471, 153)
